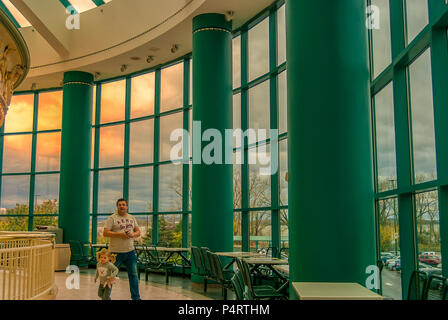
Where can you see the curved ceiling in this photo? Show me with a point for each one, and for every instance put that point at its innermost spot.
(111, 33)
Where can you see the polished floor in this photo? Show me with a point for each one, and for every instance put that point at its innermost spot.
(154, 289)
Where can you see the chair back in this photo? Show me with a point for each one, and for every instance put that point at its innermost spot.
(239, 290)
(245, 273)
(442, 289)
(284, 253)
(75, 250)
(85, 248)
(217, 266)
(380, 265)
(196, 258)
(144, 255)
(445, 290)
(213, 267)
(154, 256)
(419, 279)
(207, 265)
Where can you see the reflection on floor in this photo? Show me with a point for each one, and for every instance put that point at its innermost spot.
(154, 289)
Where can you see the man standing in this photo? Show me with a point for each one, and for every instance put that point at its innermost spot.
(122, 228)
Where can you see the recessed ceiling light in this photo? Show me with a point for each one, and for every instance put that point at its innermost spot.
(229, 15)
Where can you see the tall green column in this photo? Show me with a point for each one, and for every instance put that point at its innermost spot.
(331, 195)
(74, 189)
(212, 192)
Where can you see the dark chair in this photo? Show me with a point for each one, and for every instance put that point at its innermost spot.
(207, 264)
(284, 253)
(380, 265)
(445, 290)
(156, 262)
(238, 286)
(87, 252)
(218, 273)
(196, 257)
(256, 292)
(78, 255)
(419, 279)
(441, 284)
(270, 251)
(143, 259)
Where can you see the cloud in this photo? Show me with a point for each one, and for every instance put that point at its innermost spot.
(20, 114)
(172, 82)
(142, 95)
(50, 111)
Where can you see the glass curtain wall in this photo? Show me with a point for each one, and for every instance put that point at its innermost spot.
(259, 104)
(133, 118)
(30, 161)
(407, 92)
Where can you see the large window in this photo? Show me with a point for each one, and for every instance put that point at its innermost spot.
(133, 118)
(259, 103)
(31, 150)
(132, 150)
(405, 98)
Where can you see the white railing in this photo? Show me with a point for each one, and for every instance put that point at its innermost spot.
(26, 266)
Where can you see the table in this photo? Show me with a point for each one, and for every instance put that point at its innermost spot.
(98, 245)
(282, 268)
(333, 291)
(270, 263)
(170, 251)
(235, 255)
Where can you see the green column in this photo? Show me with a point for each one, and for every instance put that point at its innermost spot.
(331, 195)
(74, 190)
(212, 191)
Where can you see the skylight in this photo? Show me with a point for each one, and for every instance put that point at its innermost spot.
(20, 21)
(14, 14)
(83, 5)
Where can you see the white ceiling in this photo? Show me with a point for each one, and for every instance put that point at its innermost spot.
(111, 34)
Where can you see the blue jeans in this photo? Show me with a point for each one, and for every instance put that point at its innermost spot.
(129, 259)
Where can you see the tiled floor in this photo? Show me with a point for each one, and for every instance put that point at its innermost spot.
(154, 289)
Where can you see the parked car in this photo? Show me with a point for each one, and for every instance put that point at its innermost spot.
(391, 263)
(428, 253)
(386, 256)
(397, 266)
(429, 259)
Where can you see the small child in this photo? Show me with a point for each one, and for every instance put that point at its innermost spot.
(106, 271)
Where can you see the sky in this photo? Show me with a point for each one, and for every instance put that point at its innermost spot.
(420, 95)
